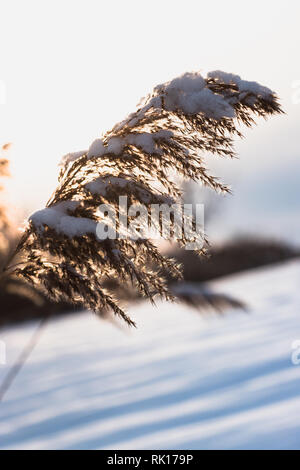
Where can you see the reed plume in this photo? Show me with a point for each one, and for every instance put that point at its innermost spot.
(169, 135)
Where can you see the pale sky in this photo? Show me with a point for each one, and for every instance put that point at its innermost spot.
(71, 69)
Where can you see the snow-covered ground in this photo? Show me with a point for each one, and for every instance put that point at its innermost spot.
(180, 381)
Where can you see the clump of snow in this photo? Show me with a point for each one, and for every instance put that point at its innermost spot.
(143, 140)
(189, 82)
(212, 104)
(243, 85)
(57, 218)
(76, 226)
(115, 145)
(163, 134)
(97, 149)
(100, 185)
(147, 141)
(71, 157)
(190, 95)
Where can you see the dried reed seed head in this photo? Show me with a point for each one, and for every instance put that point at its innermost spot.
(170, 132)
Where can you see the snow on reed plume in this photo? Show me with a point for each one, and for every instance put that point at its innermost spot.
(171, 131)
